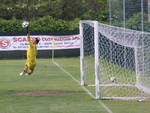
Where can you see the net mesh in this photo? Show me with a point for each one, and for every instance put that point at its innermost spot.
(124, 61)
(89, 52)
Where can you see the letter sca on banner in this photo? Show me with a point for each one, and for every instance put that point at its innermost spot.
(13, 43)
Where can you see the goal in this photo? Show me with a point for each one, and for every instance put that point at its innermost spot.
(114, 61)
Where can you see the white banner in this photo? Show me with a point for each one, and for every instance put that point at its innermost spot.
(10, 43)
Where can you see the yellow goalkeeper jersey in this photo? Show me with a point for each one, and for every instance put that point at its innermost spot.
(31, 52)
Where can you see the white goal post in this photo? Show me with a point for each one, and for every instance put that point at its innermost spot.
(115, 60)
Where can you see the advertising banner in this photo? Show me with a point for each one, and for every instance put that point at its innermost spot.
(13, 43)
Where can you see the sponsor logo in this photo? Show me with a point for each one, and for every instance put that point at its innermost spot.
(4, 43)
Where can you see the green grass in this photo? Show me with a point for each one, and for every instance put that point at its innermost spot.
(108, 70)
(48, 77)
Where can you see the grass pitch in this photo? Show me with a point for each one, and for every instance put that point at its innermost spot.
(48, 77)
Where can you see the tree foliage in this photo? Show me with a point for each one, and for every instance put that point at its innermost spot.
(50, 15)
(132, 7)
(59, 9)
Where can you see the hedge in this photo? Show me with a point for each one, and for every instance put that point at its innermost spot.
(44, 24)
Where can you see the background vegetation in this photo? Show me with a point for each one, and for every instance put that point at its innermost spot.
(62, 15)
(49, 15)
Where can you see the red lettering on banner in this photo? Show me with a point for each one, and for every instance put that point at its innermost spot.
(75, 38)
(14, 39)
(62, 38)
(20, 39)
(47, 39)
(56, 38)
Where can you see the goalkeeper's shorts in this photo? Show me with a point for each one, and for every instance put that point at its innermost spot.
(29, 68)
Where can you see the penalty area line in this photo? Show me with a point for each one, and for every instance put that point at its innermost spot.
(85, 89)
(70, 75)
(104, 106)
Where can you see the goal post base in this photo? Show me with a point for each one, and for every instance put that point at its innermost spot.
(127, 98)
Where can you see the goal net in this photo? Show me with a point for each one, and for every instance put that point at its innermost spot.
(115, 61)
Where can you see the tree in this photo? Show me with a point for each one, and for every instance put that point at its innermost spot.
(131, 7)
(71, 9)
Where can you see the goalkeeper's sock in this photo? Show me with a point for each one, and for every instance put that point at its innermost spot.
(26, 74)
(22, 73)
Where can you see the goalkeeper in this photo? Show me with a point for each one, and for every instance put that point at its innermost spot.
(31, 55)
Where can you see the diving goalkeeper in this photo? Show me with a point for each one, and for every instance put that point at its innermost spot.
(31, 54)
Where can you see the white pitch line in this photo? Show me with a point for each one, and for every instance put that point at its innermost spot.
(85, 89)
(104, 106)
(67, 72)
